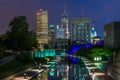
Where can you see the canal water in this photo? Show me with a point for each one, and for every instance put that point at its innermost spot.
(64, 72)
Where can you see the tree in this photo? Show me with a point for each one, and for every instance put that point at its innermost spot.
(100, 52)
(19, 38)
(83, 52)
(2, 41)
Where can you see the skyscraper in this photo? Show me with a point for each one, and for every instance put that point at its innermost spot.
(42, 27)
(112, 40)
(64, 24)
(59, 32)
(81, 30)
(112, 35)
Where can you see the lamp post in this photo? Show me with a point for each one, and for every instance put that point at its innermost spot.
(25, 75)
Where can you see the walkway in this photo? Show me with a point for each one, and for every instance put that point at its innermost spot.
(95, 72)
(27, 74)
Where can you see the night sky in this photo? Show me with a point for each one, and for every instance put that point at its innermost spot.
(101, 12)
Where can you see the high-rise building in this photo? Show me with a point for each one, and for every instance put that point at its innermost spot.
(42, 27)
(60, 40)
(112, 40)
(52, 33)
(81, 30)
(64, 24)
(59, 32)
(112, 35)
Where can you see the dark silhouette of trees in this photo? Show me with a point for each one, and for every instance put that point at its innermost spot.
(19, 38)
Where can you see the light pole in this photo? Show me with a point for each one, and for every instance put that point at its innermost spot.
(25, 75)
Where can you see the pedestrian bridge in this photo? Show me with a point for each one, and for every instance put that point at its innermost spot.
(48, 53)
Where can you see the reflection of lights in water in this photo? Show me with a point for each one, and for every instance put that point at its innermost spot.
(74, 61)
(52, 73)
(67, 70)
(52, 69)
(57, 73)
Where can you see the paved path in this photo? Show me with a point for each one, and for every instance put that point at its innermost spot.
(95, 72)
(27, 74)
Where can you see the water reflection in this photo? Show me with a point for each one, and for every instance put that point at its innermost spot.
(64, 72)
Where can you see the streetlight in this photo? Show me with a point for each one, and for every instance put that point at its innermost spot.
(93, 71)
(25, 75)
(39, 66)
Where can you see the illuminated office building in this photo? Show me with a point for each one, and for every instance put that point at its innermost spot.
(81, 30)
(42, 27)
(59, 32)
(64, 24)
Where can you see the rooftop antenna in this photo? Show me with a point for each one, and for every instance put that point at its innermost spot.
(65, 13)
(82, 13)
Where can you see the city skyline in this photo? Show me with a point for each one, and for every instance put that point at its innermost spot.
(101, 12)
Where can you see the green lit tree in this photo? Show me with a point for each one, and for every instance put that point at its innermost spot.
(100, 52)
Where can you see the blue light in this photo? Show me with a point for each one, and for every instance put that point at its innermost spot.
(75, 48)
(100, 43)
(88, 46)
(74, 61)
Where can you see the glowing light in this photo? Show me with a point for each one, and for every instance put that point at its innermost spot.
(95, 59)
(44, 53)
(52, 73)
(74, 61)
(100, 43)
(57, 26)
(38, 12)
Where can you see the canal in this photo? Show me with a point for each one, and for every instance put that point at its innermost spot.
(64, 72)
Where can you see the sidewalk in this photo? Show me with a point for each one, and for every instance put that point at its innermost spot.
(95, 72)
(27, 74)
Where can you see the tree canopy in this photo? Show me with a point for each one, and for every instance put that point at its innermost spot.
(19, 38)
(100, 52)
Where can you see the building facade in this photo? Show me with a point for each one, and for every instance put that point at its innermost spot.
(64, 24)
(42, 27)
(112, 40)
(59, 32)
(112, 35)
(81, 29)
